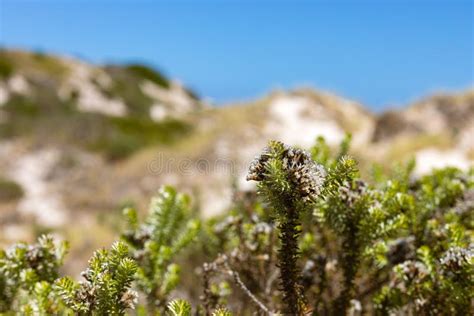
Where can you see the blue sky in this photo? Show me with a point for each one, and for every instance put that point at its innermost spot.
(381, 53)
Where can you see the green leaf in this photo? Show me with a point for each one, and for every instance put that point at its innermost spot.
(179, 308)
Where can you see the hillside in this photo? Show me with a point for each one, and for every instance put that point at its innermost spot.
(78, 141)
(114, 110)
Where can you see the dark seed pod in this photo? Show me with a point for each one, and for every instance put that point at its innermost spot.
(257, 166)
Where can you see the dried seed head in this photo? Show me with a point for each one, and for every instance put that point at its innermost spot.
(129, 299)
(351, 192)
(456, 257)
(257, 166)
(414, 270)
(305, 176)
(86, 294)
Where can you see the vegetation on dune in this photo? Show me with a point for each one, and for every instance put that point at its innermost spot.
(31, 113)
(115, 137)
(317, 239)
(6, 67)
(149, 74)
(48, 64)
(40, 63)
(118, 137)
(126, 86)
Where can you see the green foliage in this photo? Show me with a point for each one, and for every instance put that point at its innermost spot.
(290, 181)
(149, 74)
(436, 193)
(42, 300)
(431, 286)
(119, 137)
(19, 105)
(6, 67)
(24, 269)
(440, 277)
(155, 243)
(32, 115)
(115, 137)
(221, 312)
(183, 308)
(48, 64)
(179, 308)
(106, 290)
(126, 85)
(360, 215)
(339, 244)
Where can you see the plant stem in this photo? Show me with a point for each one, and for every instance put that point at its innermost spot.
(244, 288)
(287, 256)
(350, 265)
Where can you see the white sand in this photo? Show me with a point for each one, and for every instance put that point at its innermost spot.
(18, 84)
(432, 158)
(289, 122)
(158, 112)
(31, 171)
(91, 99)
(169, 102)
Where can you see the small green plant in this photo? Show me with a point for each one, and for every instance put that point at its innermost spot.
(317, 239)
(359, 215)
(431, 286)
(107, 286)
(156, 242)
(179, 308)
(27, 270)
(290, 181)
(42, 300)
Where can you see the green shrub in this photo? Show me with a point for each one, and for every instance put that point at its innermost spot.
(21, 106)
(6, 68)
(157, 241)
(316, 239)
(119, 137)
(106, 290)
(115, 137)
(148, 73)
(49, 64)
(126, 86)
(291, 182)
(26, 271)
